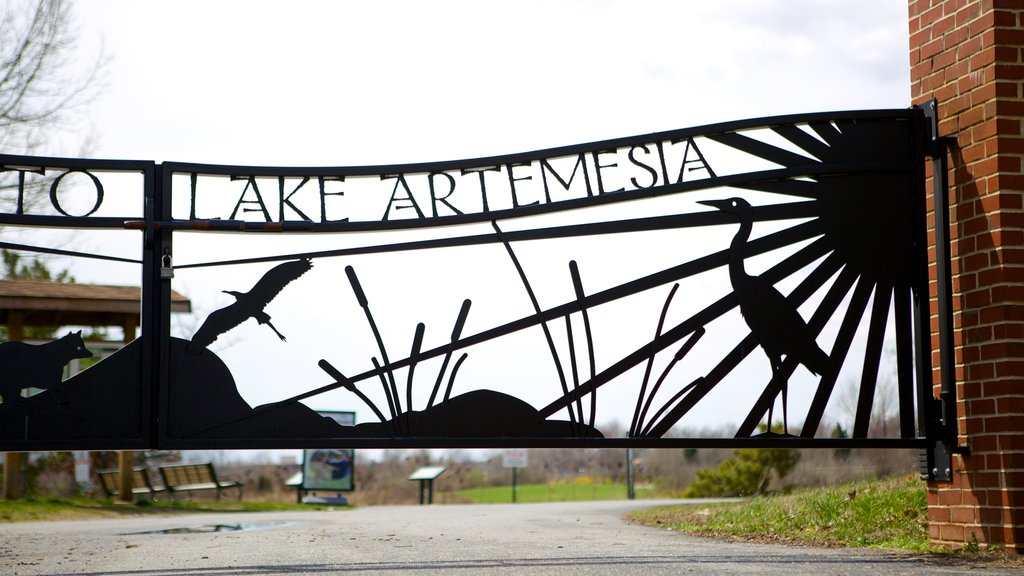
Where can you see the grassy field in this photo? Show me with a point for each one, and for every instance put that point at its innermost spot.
(554, 492)
(31, 509)
(888, 513)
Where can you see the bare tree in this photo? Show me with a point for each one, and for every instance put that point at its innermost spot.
(45, 83)
(884, 419)
(42, 77)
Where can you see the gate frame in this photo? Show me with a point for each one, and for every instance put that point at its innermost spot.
(158, 225)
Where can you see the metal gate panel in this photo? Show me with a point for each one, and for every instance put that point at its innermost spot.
(76, 209)
(764, 271)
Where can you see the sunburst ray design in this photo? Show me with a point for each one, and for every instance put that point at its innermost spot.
(904, 359)
(828, 210)
(865, 259)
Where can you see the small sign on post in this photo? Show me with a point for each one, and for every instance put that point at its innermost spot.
(82, 467)
(515, 458)
(426, 475)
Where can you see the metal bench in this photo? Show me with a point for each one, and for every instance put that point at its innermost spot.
(110, 482)
(184, 478)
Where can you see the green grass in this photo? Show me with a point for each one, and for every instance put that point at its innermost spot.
(888, 513)
(32, 509)
(554, 492)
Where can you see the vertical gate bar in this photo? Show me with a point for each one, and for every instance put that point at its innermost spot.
(943, 280)
(920, 292)
(155, 310)
(162, 245)
(147, 391)
(904, 360)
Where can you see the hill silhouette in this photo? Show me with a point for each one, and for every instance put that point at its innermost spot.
(105, 403)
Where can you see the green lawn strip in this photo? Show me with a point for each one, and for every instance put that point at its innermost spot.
(33, 509)
(888, 513)
(554, 492)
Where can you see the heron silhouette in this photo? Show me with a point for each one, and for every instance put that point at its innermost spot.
(248, 305)
(772, 319)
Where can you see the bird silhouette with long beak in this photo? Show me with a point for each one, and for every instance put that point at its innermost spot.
(248, 305)
(771, 318)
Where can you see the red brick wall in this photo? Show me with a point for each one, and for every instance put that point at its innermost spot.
(969, 54)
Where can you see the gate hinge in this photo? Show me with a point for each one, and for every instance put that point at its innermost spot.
(936, 462)
(938, 145)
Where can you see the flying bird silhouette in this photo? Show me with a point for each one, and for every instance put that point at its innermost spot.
(771, 318)
(248, 305)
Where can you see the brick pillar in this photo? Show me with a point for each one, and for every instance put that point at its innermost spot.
(969, 54)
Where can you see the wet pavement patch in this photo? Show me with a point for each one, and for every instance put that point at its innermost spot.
(211, 528)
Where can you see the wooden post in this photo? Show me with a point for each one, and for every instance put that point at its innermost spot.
(124, 466)
(12, 475)
(13, 461)
(15, 325)
(130, 326)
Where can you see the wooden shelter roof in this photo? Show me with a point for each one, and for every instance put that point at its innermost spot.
(43, 303)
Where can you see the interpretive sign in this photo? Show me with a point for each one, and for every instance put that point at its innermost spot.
(327, 468)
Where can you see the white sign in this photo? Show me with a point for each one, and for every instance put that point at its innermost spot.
(81, 466)
(514, 458)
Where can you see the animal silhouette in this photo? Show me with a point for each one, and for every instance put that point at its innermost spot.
(771, 318)
(248, 305)
(37, 366)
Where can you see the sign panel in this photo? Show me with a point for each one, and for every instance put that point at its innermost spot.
(515, 458)
(83, 466)
(330, 469)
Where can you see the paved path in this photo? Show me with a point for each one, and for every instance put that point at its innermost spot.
(569, 538)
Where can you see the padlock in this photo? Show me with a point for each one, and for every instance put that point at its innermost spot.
(166, 269)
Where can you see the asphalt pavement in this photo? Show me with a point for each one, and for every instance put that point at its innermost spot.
(564, 538)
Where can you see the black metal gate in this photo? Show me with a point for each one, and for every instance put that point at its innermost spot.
(753, 269)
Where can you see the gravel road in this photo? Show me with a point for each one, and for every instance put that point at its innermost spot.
(566, 538)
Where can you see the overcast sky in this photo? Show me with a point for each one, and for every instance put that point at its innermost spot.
(303, 83)
(350, 83)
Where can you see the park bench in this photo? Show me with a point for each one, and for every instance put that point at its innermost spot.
(184, 478)
(110, 482)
